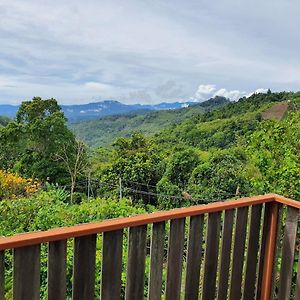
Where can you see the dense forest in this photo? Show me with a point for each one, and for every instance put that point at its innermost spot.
(50, 178)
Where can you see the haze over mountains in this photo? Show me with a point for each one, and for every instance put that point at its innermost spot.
(95, 110)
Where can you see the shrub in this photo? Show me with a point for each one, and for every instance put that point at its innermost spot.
(12, 185)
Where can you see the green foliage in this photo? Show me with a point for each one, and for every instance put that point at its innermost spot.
(215, 155)
(136, 159)
(222, 176)
(274, 149)
(4, 121)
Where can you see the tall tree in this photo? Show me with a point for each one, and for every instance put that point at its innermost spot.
(31, 142)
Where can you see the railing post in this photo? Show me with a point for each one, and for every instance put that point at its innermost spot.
(269, 252)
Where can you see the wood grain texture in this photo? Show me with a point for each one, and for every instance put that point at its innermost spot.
(297, 296)
(156, 261)
(26, 273)
(62, 233)
(175, 259)
(84, 268)
(57, 265)
(2, 277)
(111, 265)
(288, 250)
(211, 256)
(135, 280)
(194, 254)
(225, 254)
(278, 248)
(252, 253)
(238, 253)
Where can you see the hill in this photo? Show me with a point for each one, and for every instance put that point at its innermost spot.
(103, 131)
(221, 128)
(217, 154)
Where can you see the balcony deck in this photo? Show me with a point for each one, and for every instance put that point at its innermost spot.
(237, 249)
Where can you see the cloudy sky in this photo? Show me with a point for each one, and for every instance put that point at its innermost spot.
(147, 51)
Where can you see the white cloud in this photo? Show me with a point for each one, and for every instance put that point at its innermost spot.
(258, 91)
(204, 91)
(233, 95)
(98, 86)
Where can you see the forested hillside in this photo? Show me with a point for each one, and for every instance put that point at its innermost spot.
(214, 155)
(103, 131)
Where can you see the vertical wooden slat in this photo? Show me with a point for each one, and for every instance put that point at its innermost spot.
(2, 278)
(268, 251)
(211, 256)
(194, 258)
(175, 259)
(264, 233)
(156, 261)
(288, 250)
(112, 265)
(277, 253)
(252, 253)
(26, 273)
(238, 253)
(57, 263)
(298, 278)
(225, 254)
(84, 268)
(136, 263)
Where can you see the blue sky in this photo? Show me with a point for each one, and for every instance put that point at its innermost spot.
(147, 51)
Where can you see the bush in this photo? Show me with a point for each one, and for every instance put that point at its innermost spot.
(12, 185)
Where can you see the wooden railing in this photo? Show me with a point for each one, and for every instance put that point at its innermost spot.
(237, 249)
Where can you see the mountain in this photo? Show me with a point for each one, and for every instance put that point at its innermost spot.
(8, 110)
(103, 131)
(79, 112)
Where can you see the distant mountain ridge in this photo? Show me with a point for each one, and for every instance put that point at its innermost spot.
(104, 130)
(79, 112)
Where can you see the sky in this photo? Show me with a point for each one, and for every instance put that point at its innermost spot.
(147, 51)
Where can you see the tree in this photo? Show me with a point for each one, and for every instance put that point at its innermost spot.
(29, 144)
(221, 177)
(74, 158)
(137, 161)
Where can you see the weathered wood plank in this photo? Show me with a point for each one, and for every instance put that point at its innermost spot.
(238, 253)
(192, 278)
(84, 267)
(136, 263)
(175, 259)
(156, 261)
(277, 252)
(225, 254)
(211, 256)
(288, 250)
(57, 264)
(265, 230)
(112, 265)
(298, 279)
(252, 253)
(2, 277)
(26, 273)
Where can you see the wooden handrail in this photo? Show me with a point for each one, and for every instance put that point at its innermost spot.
(34, 238)
(287, 201)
